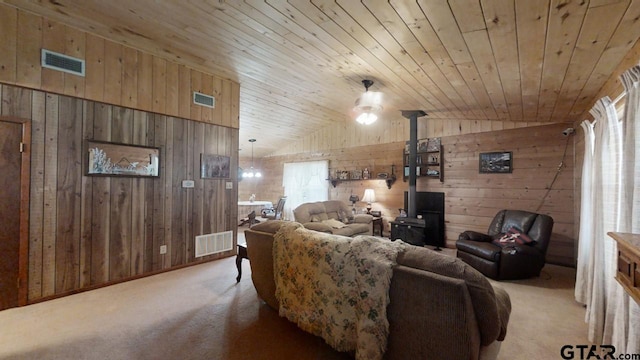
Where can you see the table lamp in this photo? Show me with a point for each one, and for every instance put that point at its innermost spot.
(369, 197)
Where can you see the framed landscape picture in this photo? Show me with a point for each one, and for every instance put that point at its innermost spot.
(114, 159)
(214, 166)
(495, 162)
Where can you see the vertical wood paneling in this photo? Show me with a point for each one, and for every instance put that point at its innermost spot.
(149, 199)
(8, 28)
(207, 88)
(74, 45)
(120, 239)
(178, 198)
(28, 50)
(130, 77)
(159, 85)
(184, 91)
(172, 96)
(101, 210)
(53, 38)
(235, 105)
(196, 85)
(159, 198)
(36, 208)
(50, 199)
(223, 110)
(113, 73)
(145, 81)
(95, 62)
(168, 192)
(189, 207)
(86, 209)
(68, 204)
(138, 201)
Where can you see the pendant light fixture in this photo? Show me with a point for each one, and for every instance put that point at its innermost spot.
(252, 172)
(368, 105)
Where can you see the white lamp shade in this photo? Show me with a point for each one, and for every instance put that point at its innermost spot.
(367, 107)
(369, 196)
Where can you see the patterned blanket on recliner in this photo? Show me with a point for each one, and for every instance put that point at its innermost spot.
(336, 287)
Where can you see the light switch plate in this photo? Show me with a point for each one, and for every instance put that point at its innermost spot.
(188, 183)
(229, 185)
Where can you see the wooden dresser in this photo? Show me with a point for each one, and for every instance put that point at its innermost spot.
(628, 273)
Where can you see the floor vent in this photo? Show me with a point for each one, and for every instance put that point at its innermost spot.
(61, 62)
(214, 243)
(204, 100)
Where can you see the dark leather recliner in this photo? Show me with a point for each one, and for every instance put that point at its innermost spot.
(512, 260)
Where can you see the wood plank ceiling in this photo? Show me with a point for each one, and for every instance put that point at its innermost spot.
(300, 63)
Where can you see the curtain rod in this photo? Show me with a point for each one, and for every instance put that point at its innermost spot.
(623, 94)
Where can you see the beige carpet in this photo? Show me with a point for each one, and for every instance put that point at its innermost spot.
(201, 313)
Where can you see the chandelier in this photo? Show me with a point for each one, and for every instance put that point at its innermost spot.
(252, 172)
(368, 105)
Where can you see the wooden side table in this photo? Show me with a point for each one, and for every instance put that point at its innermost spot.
(377, 222)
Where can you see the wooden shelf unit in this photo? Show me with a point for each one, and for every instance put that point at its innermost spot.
(628, 267)
(390, 180)
(427, 162)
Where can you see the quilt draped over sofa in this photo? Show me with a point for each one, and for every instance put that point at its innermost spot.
(336, 287)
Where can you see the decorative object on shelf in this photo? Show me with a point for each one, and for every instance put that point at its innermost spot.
(114, 159)
(495, 162)
(433, 144)
(383, 175)
(214, 166)
(252, 172)
(368, 105)
(344, 175)
(365, 174)
(354, 199)
(252, 198)
(356, 175)
(369, 197)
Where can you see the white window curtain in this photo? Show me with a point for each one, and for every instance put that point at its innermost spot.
(304, 182)
(609, 202)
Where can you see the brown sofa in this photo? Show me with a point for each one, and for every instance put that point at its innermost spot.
(440, 308)
(322, 216)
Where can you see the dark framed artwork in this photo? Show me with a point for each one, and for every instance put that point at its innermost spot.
(115, 159)
(496, 162)
(214, 166)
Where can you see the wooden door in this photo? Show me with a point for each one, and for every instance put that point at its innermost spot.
(10, 200)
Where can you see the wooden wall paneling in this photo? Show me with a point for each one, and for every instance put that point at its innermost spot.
(113, 73)
(145, 81)
(184, 91)
(172, 98)
(168, 192)
(69, 189)
(188, 207)
(209, 199)
(178, 197)
(148, 223)
(221, 113)
(138, 200)
(197, 200)
(29, 43)
(36, 208)
(74, 45)
(235, 105)
(53, 38)
(207, 89)
(159, 85)
(8, 29)
(16, 102)
(50, 198)
(129, 77)
(86, 201)
(101, 212)
(196, 85)
(121, 201)
(95, 68)
(224, 223)
(159, 191)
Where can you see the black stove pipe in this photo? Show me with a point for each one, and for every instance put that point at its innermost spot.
(413, 116)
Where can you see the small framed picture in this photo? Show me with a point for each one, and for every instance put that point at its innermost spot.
(214, 166)
(496, 162)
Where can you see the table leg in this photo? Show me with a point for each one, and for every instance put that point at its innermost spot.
(242, 254)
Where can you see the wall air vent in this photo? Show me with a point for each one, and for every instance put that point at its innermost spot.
(61, 62)
(204, 100)
(214, 243)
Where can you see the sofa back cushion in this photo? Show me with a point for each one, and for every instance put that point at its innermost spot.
(482, 295)
(310, 212)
